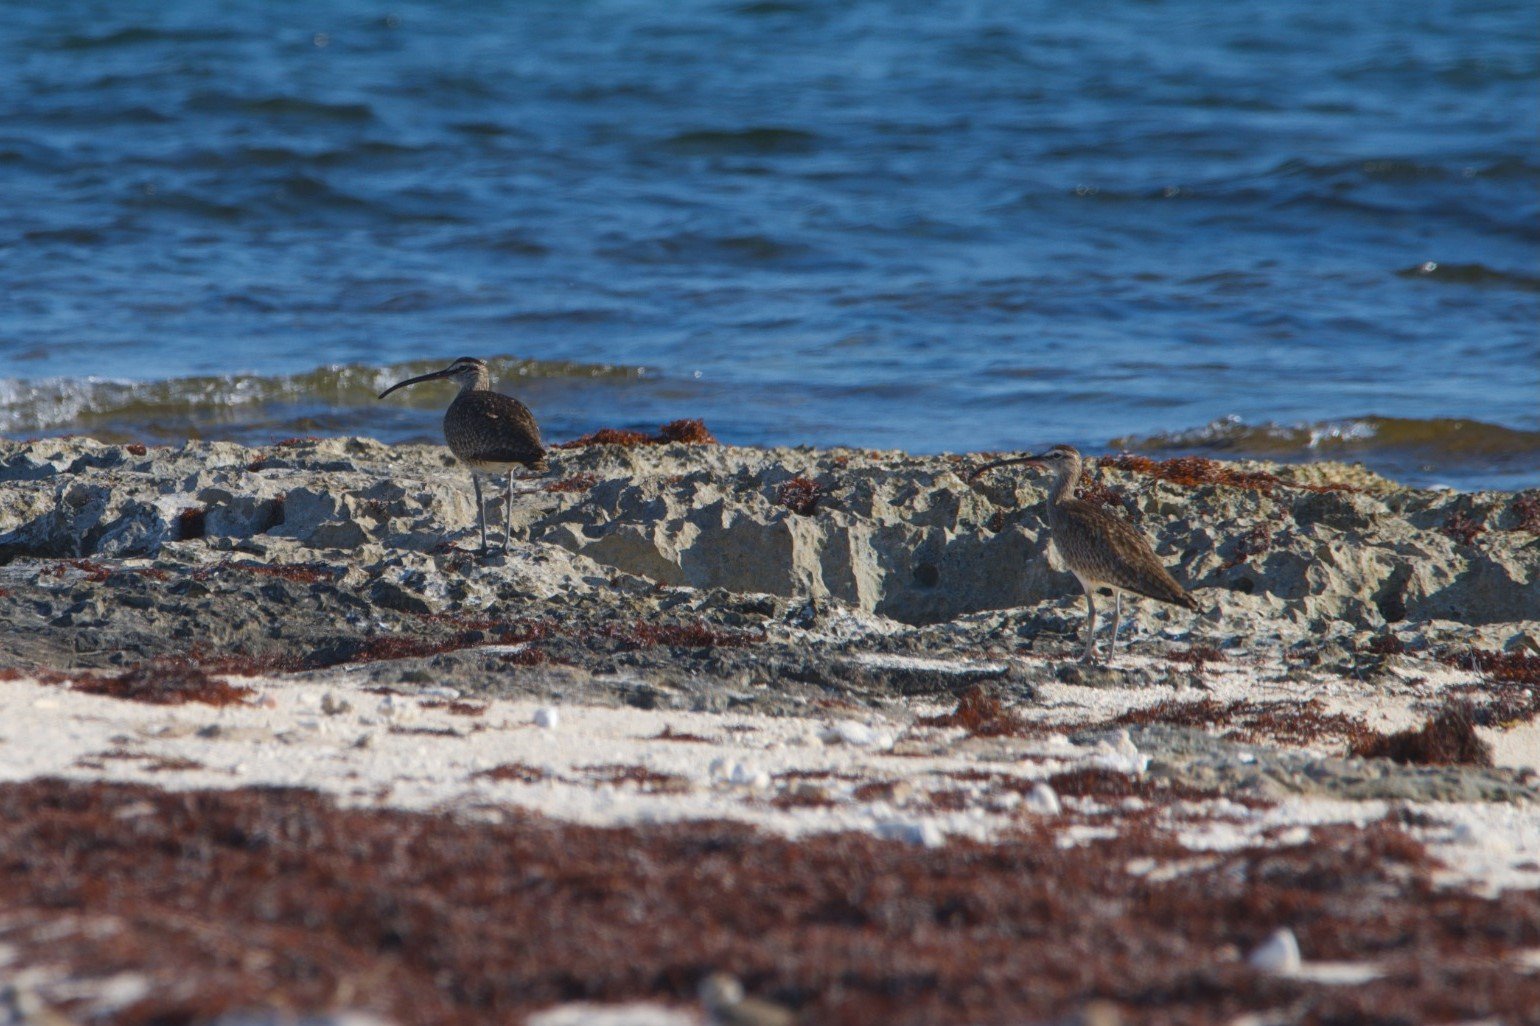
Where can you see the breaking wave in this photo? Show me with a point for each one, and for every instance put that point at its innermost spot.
(328, 399)
(1409, 449)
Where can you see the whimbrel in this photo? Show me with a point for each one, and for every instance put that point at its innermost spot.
(489, 432)
(1099, 549)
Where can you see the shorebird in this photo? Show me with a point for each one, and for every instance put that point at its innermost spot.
(1099, 549)
(489, 432)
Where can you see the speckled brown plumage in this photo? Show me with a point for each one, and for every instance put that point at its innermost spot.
(489, 432)
(1101, 550)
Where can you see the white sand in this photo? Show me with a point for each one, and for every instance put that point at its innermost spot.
(791, 775)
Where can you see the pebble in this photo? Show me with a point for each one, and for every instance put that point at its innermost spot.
(394, 707)
(726, 1004)
(1121, 754)
(546, 717)
(738, 774)
(924, 832)
(331, 705)
(1278, 954)
(1043, 800)
(747, 776)
(1466, 834)
(850, 732)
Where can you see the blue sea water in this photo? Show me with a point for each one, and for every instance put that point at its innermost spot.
(1293, 229)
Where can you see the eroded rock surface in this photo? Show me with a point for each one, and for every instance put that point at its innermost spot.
(712, 578)
(907, 538)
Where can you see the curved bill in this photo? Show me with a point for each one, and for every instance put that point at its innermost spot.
(1031, 461)
(412, 381)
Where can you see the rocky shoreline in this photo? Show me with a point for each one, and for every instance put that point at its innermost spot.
(1360, 645)
(700, 577)
(778, 569)
(1280, 554)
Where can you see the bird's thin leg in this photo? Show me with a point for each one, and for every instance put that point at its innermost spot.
(481, 510)
(1117, 615)
(508, 514)
(1089, 656)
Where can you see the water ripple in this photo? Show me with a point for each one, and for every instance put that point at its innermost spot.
(942, 225)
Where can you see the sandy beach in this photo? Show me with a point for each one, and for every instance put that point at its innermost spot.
(771, 712)
(273, 738)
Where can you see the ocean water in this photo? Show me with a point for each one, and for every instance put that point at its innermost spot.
(1292, 229)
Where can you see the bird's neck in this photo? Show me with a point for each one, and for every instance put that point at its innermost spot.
(1063, 487)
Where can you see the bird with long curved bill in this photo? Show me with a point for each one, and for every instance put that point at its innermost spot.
(489, 432)
(1101, 550)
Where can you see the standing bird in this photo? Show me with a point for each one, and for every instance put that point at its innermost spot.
(489, 432)
(1099, 549)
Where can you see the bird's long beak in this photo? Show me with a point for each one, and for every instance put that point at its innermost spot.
(1031, 461)
(412, 381)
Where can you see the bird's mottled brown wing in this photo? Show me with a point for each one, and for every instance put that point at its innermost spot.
(1110, 551)
(489, 427)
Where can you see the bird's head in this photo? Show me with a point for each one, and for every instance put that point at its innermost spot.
(1061, 459)
(467, 372)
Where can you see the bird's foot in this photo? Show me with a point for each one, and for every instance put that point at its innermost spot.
(488, 554)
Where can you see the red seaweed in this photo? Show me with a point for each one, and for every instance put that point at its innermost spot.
(166, 682)
(251, 898)
(980, 714)
(1446, 739)
(575, 483)
(1462, 527)
(689, 432)
(799, 495)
